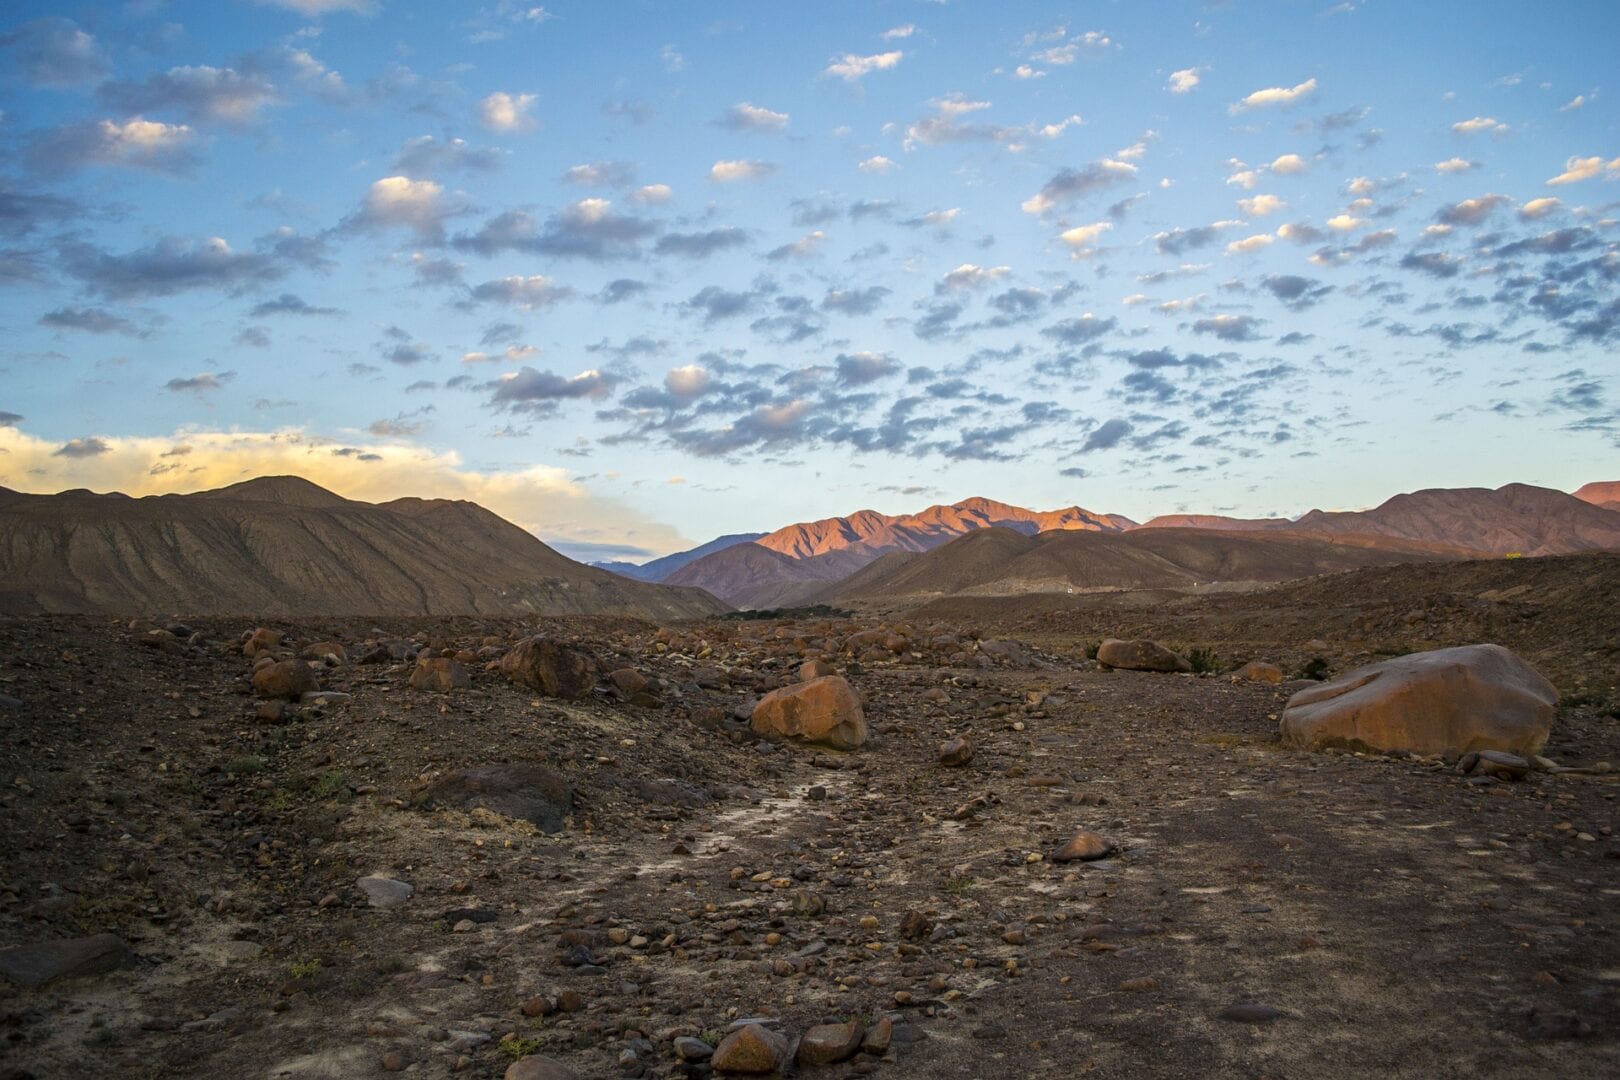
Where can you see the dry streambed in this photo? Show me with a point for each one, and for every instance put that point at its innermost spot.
(1264, 911)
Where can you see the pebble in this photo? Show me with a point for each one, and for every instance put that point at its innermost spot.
(1084, 847)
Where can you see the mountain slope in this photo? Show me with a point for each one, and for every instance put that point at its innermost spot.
(1001, 562)
(1604, 493)
(1513, 518)
(283, 546)
(660, 569)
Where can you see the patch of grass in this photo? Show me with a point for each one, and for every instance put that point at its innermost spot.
(712, 1036)
(329, 785)
(246, 765)
(1091, 649)
(392, 965)
(304, 969)
(279, 800)
(956, 886)
(1203, 661)
(516, 1046)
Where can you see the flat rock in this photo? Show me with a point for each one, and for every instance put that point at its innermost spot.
(957, 751)
(1140, 655)
(1446, 701)
(1259, 671)
(1084, 847)
(538, 1067)
(385, 892)
(285, 679)
(439, 673)
(32, 966)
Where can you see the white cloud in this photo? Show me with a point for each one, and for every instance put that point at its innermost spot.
(1289, 165)
(1577, 169)
(875, 164)
(1574, 103)
(1250, 243)
(1276, 95)
(1245, 179)
(1539, 208)
(501, 111)
(1182, 82)
(673, 61)
(321, 7)
(399, 200)
(1261, 205)
(1478, 125)
(728, 172)
(1083, 238)
(540, 498)
(941, 218)
(749, 117)
(898, 33)
(969, 276)
(1052, 131)
(688, 381)
(1024, 71)
(1361, 185)
(534, 291)
(851, 67)
(1453, 165)
(1345, 222)
(1135, 299)
(651, 194)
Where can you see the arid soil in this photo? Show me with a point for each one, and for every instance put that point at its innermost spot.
(1389, 916)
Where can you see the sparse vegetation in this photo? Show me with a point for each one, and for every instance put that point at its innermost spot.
(304, 969)
(1314, 668)
(1203, 661)
(246, 765)
(956, 886)
(516, 1046)
(329, 785)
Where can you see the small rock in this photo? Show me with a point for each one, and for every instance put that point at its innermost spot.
(536, 1067)
(439, 673)
(688, 1048)
(1085, 847)
(957, 751)
(286, 679)
(754, 1050)
(1250, 1013)
(877, 1038)
(1146, 982)
(826, 1044)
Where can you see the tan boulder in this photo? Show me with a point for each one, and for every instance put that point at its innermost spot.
(957, 751)
(284, 679)
(550, 667)
(815, 669)
(260, 640)
(1258, 671)
(827, 1044)
(439, 673)
(1141, 655)
(824, 710)
(1447, 701)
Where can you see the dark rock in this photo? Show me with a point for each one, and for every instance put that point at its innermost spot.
(530, 793)
(554, 669)
(32, 966)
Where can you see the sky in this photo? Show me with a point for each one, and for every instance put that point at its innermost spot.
(636, 274)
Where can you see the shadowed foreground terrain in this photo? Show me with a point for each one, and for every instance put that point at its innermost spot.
(1397, 918)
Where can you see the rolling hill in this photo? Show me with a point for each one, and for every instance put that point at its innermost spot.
(282, 546)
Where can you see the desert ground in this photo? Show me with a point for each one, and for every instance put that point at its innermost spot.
(1264, 911)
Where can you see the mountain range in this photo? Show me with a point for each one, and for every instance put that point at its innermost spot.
(798, 563)
(282, 546)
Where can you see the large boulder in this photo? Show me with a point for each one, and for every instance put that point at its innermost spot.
(824, 710)
(439, 673)
(1448, 701)
(529, 793)
(550, 667)
(1140, 655)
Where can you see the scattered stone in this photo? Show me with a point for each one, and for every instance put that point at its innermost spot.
(32, 966)
(877, 1038)
(628, 680)
(531, 793)
(1084, 847)
(915, 926)
(1140, 655)
(688, 1048)
(1447, 701)
(753, 1050)
(259, 640)
(1146, 982)
(955, 752)
(385, 892)
(827, 1044)
(811, 670)
(1502, 766)
(554, 669)
(287, 679)
(825, 711)
(439, 673)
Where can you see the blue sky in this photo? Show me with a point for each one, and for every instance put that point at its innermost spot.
(635, 274)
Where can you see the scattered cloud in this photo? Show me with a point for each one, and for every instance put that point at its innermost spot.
(1069, 185)
(731, 172)
(90, 321)
(877, 163)
(747, 117)
(1276, 95)
(530, 293)
(506, 112)
(135, 144)
(852, 68)
(1479, 125)
(1577, 169)
(54, 52)
(1183, 81)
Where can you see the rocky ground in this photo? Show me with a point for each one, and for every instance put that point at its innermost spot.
(302, 891)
